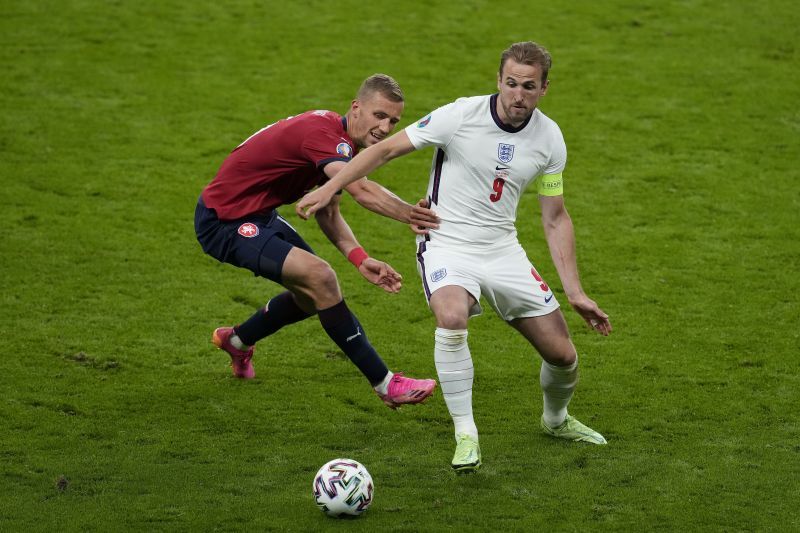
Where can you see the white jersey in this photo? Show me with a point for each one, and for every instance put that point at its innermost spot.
(482, 166)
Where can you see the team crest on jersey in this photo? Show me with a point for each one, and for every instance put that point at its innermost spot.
(248, 229)
(505, 152)
(438, 275)
(424, 122)
(344, 149)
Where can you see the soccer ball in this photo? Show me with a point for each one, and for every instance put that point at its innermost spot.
(343, 487)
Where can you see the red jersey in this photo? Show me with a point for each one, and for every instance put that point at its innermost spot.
(278, 164)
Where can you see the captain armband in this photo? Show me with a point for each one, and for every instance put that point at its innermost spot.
(551, 185)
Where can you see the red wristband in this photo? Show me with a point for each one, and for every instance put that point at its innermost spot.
(357, 256)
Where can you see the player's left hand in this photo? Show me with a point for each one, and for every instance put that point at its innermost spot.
(381, 274)
(423, 218)
(592, 314)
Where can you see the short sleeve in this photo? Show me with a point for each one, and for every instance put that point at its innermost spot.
(558, 153)
(323, 145)
(437, 128)
(551, 182)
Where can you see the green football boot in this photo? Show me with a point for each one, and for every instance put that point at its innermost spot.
(573, 430)
(467, 458)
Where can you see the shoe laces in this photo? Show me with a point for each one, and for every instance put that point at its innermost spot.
(399, 384)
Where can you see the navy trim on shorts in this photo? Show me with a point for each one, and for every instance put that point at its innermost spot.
(421, 260)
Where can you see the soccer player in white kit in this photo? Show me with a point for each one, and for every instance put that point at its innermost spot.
(488, 150)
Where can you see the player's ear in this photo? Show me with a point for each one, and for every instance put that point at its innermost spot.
(545, 87)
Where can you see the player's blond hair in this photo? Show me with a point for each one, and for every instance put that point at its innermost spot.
(382, 84)
(528, 53)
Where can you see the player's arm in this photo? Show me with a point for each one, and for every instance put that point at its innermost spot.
(336, 229)
(373, 157)
(380, 200)
(560, 235)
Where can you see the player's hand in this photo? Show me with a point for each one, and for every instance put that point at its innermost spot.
(313, 202)
(423, 218)
(592, 314)
(381, 274)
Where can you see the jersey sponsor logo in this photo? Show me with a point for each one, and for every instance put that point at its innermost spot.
(248, 229)
(320, 112)
(505, 152)
(344, 149)
(438, 275)
(424, 122)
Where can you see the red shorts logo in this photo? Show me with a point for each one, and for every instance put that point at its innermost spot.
(248, 229)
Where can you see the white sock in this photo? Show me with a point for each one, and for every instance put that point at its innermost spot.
(454, 366)
(558, 385)
(383, 386)
(237, 342)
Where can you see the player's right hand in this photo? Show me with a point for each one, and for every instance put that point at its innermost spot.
(312, 202)
(595, 317)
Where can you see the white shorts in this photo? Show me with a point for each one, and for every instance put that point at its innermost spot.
(502, 274)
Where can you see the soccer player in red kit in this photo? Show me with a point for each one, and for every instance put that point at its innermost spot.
(236, 222)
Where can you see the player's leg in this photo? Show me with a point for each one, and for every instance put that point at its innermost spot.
(311, 278)
(284, 309)
(451, 306)
(520, 296)
(245, 243)
(261, 244)
(449, 281)
(559, 371)
(558, 375)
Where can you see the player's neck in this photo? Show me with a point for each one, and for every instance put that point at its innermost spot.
(501, 114)
(347, 122)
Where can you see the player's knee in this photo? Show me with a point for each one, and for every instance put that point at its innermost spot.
(448, 319)
(322, 282)
(561, 356)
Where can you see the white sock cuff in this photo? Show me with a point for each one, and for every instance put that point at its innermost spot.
(452, 339)
(561, 369)
(383, 386)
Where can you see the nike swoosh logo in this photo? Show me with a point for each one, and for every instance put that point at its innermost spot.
(548, 298)
(501, 168)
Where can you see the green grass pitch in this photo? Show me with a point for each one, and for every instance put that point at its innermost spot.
(116, 413)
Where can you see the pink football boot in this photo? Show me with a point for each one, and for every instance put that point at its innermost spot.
(240, 359)
(403, 390)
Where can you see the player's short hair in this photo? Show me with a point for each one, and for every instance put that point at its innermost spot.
(528, 53)
(382, 84)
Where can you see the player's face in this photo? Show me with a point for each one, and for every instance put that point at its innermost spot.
(372, 119)
(520, 89)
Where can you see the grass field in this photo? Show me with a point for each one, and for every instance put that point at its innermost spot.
(116, 413)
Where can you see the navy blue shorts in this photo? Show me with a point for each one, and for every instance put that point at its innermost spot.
(259, 243)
